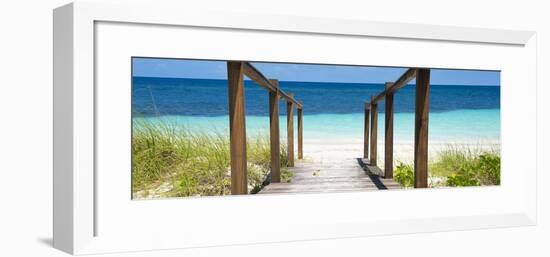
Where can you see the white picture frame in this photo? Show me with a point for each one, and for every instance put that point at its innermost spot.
(81, 28)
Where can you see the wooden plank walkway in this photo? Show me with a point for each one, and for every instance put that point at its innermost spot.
(335, 176)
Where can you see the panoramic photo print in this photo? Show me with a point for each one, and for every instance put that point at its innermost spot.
(215, 128)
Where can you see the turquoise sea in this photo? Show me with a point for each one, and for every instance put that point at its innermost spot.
(331, 110)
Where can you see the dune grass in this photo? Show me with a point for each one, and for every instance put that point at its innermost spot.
(457, 166)
(173, 161)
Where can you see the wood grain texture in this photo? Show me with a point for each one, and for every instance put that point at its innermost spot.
(366, 132)
(373, 133)
(421, 128)
(274, 137)
(388, 135)
(300, 134)
(290, 132)
(253, 73)
(398, 84)
(341, 176)
(290, 98)
(237, 128)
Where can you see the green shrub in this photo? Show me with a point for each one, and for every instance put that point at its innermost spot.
(404, 175)
(457, 167)
(286, 176)
(463, 178)
(192, 162)
(452, 159)
(483, 169)
(489, 167)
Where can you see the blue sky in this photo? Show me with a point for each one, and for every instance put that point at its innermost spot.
(176, 68)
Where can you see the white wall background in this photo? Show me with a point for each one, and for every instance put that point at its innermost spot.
(26, 127)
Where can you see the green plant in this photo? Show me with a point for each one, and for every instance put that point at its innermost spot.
(192, 162)
(456, 167)
(467, 166)
(489, 167)
(452, 159)
(286, 176)
(483, 169)
(464, 178)
(404, 175)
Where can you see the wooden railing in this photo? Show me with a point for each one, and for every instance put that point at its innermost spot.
(237, 123)
(420, 131)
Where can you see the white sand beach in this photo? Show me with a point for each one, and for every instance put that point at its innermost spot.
(334, 150)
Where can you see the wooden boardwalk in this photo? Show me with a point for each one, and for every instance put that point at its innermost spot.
(345, 175)
(335, 176)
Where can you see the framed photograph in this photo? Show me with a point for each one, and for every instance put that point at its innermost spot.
(178, 128)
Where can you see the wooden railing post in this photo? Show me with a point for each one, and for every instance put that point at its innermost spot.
(237, 128)
(373, 132)
(300, 134)
(421, 128)
(274, 133)
(366, 132)
(290, 131)
(388, 138)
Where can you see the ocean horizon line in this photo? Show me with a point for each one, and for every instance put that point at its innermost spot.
(310, 114)
(314, 82)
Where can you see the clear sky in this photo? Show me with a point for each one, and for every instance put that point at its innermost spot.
(177, 68)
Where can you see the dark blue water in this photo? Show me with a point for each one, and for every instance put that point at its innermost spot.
(203, 97)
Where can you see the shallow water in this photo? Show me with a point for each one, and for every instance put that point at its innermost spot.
(331, 110)
(452, 126)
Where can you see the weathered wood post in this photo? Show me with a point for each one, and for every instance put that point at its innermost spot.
(421, 128)
(373, 132)
(237, 128)
(300, 134)
(366, 132)
(274, 133)
(388, 137)
(290, 131)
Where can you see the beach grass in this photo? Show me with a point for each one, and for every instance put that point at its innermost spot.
(457, 166)
(173, 161)
(170, 160)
